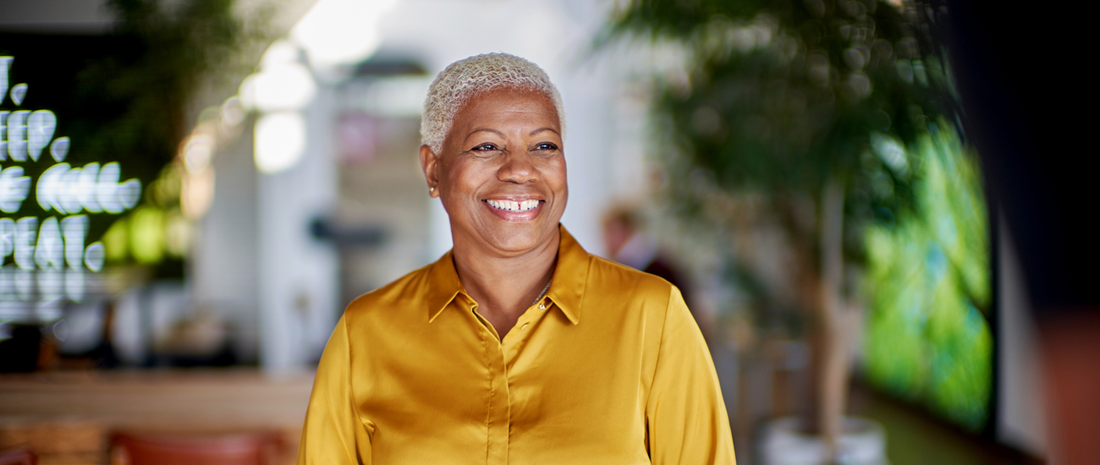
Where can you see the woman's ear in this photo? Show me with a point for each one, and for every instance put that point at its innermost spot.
(429, 162)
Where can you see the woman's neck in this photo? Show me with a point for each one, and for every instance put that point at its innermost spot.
(505, 286)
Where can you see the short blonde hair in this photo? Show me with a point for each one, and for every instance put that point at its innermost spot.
(466, 78)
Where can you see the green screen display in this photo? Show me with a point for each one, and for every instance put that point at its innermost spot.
(928, 339)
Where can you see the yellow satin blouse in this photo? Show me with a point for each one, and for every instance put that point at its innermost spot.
(608, 368)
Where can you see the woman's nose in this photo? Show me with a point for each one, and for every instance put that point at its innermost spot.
(517, 168)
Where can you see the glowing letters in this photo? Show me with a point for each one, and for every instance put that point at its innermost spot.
(50, 251)
(25, 231)
(73, 230)
(7, 238)
(25, 133)
(50, 254)
(13, 189)
(17, 135)
(91, 188)
(5, 63)
(40, 127)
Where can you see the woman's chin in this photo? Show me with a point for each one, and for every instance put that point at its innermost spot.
(517, 237)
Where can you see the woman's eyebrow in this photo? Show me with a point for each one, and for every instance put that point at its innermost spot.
(475, 131)
(536, 131)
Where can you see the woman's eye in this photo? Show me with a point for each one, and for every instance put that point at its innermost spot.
(485, 148)
(546, 146)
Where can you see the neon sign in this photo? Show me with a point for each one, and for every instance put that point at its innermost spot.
(49, 255)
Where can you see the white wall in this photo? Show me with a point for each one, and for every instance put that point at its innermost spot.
(224, 263)
(298, 280)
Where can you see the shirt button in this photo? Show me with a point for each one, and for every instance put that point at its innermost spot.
(542, 306)
(524, 326)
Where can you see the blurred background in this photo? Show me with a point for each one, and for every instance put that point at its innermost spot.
(192, 190)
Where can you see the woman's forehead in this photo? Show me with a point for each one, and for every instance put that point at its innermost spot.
(508, 106)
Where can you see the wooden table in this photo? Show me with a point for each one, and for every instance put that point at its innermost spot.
(66, 417)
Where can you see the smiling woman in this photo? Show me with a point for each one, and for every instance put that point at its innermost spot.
(517, 345)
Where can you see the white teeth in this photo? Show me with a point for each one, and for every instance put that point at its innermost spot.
(511, 206)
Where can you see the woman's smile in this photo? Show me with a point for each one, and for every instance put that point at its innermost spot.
(515, 210)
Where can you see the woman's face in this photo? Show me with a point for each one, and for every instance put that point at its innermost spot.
(501, 175)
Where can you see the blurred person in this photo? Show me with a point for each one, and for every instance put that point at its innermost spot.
(1025, 109)
(627, 242)
(517, 345)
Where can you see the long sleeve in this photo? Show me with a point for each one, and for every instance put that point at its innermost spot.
(687, 420)
(333, 432)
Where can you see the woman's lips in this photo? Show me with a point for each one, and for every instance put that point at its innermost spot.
(514, 210)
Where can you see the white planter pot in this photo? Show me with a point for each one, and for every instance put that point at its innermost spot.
(784, 443)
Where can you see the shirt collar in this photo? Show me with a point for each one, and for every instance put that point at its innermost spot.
(566, 289)
(443, 285)
(570, 277)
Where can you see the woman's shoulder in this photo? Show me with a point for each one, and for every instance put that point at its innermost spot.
(625, 297)
(622, 279)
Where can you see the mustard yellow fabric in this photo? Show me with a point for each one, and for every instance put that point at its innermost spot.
(608, 368)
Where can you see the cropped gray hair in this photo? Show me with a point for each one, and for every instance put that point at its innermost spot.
(466, 78)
